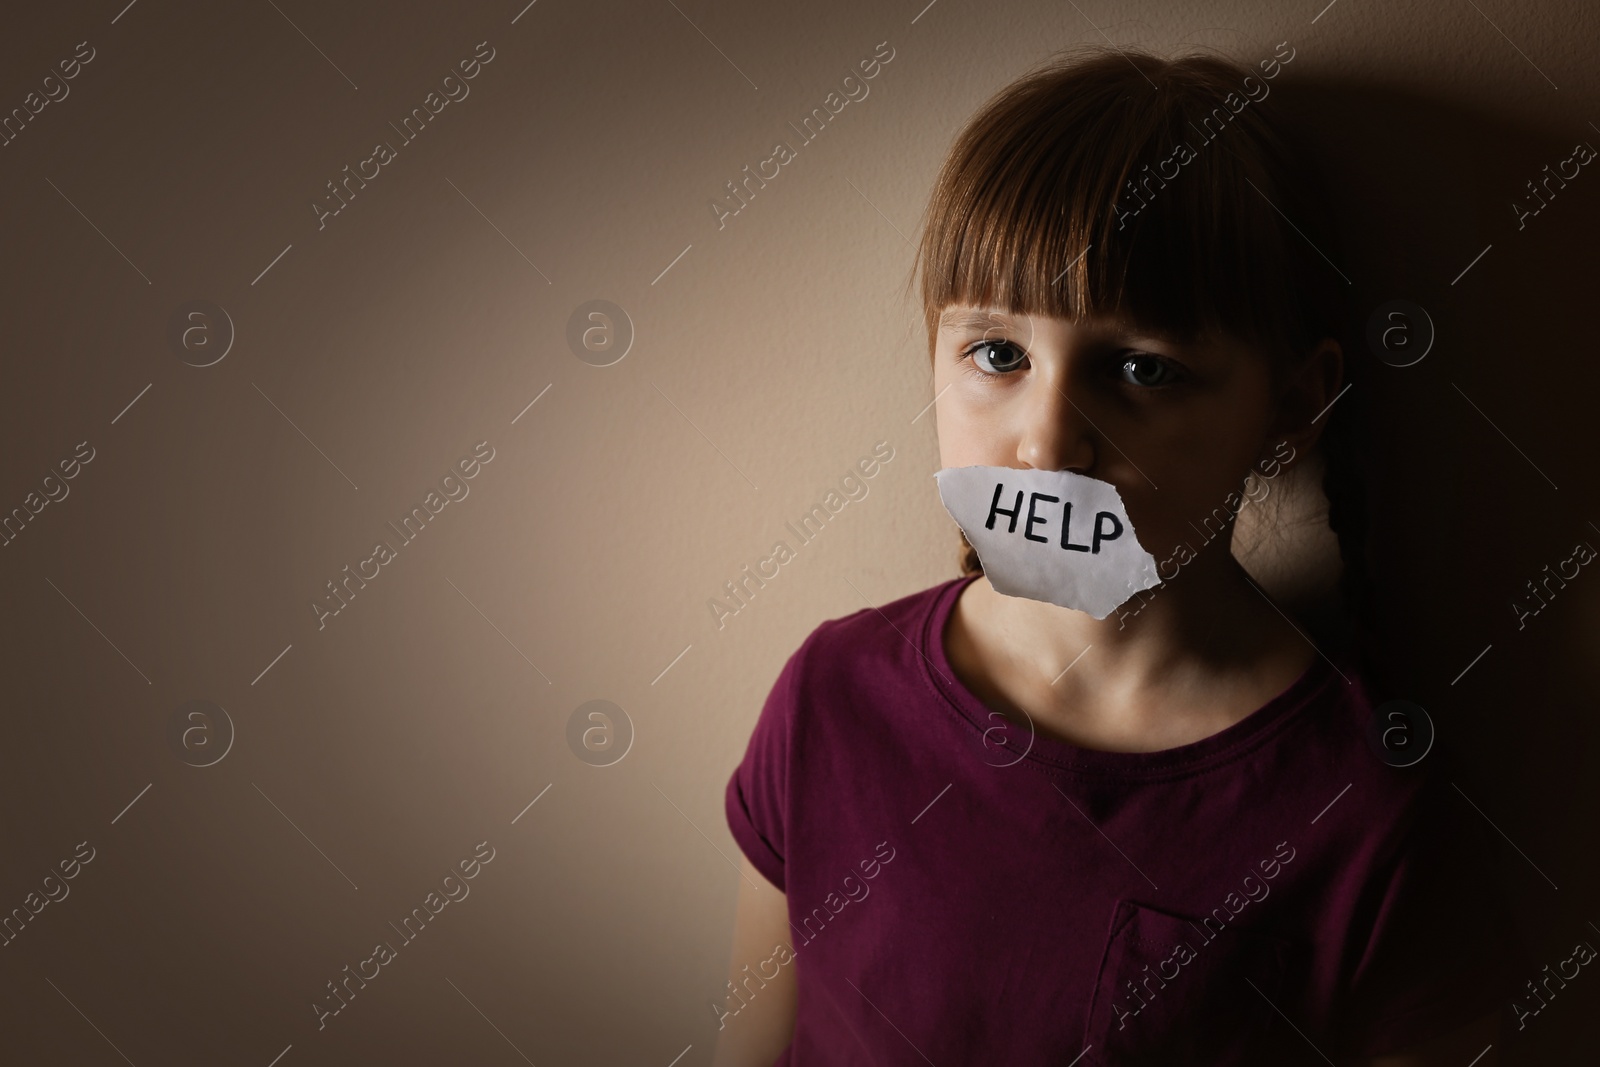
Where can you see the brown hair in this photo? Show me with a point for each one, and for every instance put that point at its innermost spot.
(1113, 183)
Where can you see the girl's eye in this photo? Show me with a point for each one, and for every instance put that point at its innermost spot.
(1010, 357)
(1150, 372)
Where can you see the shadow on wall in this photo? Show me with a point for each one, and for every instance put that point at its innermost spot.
(1483, 507)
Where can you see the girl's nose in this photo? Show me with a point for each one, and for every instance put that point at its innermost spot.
(1055, 433)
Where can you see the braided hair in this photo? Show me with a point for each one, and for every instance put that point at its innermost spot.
(1345, 446)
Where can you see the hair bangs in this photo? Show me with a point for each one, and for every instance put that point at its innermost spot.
(1135, 189)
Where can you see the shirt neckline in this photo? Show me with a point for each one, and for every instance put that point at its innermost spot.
(1052, 752)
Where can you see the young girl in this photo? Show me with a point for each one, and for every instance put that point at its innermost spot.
(989, 829)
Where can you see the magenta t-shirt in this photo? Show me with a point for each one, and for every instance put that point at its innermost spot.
(962, 892)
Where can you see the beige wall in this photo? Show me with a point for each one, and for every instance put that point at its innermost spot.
(775, 351)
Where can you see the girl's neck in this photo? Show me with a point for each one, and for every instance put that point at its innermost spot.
(1213, 620)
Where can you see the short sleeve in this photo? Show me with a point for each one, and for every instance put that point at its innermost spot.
(1443, 950)
(757, 799)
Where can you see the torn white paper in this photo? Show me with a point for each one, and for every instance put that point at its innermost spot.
(1055, 536)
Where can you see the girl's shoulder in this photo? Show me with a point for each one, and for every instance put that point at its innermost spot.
(880, 636)
(1384, 758)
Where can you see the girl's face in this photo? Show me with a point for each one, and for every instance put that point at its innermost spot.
(1176, 428)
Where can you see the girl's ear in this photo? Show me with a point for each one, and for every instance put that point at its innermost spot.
(1308, 395)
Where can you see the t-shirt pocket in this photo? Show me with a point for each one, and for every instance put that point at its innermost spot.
(1166, 994)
